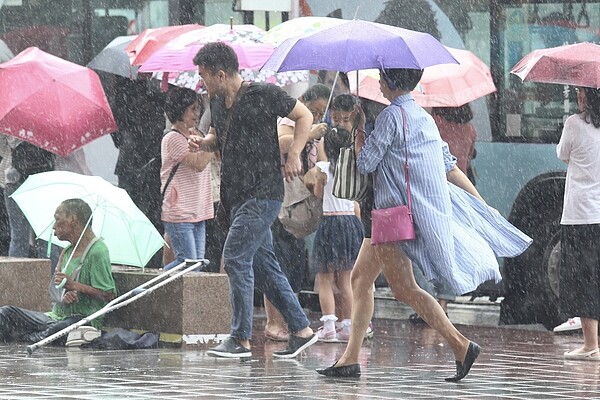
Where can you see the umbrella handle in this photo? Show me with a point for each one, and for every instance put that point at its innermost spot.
(61, 284)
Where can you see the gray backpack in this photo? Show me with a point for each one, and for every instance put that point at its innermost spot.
(301, 211)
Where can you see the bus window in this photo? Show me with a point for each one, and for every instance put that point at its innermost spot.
(76, 30)
(534, 112)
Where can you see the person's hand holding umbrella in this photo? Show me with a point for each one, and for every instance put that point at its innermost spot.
(71, 295)
(317, 131)
(359, 132)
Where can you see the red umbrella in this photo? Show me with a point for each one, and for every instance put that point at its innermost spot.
(150, 40)
(573, 64)
(52, 103)
(445, 85)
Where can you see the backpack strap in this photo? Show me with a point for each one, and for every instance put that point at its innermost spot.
(169, 179)
(58, 296)
(77, 271)
(172, 173)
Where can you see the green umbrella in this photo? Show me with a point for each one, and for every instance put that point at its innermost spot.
(129, 235)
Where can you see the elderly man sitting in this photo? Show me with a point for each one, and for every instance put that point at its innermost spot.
(85, 270)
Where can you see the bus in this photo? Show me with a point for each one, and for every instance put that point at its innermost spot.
(516, 167)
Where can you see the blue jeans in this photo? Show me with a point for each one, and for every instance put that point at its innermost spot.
(20, 230)
(250, 260)
(188, 240)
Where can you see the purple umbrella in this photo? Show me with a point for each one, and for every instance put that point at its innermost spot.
(356, 45)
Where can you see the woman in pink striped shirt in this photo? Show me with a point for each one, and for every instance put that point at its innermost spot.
(185, 180)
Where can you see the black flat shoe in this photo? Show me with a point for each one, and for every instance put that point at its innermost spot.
(416, 319)
(345, 371)
(462, 369)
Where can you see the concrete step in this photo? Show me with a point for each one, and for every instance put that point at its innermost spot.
(480, 311)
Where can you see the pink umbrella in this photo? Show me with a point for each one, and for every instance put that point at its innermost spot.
(150, 40)
(178, 53)
(219, 32)
(52, 103)
(447, 85)
(453, 85)
(250, 55)
(368, 85)
(574, 64)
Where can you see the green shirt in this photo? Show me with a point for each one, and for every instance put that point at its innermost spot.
(96, 271)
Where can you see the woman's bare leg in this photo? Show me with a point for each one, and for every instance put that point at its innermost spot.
(399, 276)
(325, 285)
(343, 282)
(590, 334)
(366, 269)
(275, 322)
(444, 304)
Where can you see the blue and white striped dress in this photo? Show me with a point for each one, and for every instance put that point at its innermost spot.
(458, 236)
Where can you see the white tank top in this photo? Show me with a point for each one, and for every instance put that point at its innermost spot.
(330, 202)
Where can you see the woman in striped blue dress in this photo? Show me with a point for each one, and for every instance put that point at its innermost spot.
(458, 235)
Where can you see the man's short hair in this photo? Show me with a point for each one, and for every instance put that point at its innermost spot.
(402, 78)
(79, 209)
(217, 56)
(178, 100)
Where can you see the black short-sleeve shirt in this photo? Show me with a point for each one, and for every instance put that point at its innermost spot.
(251, 160)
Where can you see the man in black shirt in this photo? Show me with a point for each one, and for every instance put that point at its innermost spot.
(244, 130)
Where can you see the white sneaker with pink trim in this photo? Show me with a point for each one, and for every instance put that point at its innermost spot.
(572, 324)
(326, 336)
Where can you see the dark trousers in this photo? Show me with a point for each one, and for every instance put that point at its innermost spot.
(4, 226)
(21, 325)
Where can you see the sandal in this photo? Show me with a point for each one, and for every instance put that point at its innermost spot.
(579, 354)
(282, 335)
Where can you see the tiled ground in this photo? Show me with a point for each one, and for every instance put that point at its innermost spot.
(403, 361)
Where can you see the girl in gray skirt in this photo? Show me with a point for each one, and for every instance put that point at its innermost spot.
(336, 244)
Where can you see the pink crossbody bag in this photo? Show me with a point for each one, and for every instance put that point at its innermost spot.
(395, 224)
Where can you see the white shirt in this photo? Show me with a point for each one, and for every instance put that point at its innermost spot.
(579, 147)
(330, 202)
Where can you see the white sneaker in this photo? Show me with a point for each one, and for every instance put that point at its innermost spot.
(343, 335)
(83, 334)
(572, 324)
(326, 336)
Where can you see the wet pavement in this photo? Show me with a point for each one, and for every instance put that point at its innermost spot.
(403, 361)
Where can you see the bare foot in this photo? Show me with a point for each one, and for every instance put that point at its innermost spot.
(345, 360)
(462, 353)
(271, 327)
